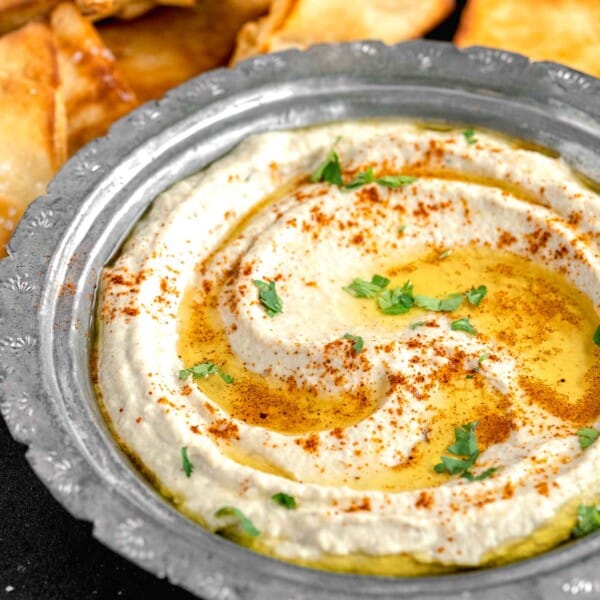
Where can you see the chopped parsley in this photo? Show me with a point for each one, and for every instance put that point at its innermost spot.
(361, 179)
(447, 304)
(402, 229)
(476, 295)
(587, 436)
(188, 467)
(417, 324)
(267, 294)
(359, 288)
(284, 500)
(393, 181)
(470, 136)
(329, 170)
(465, 447)
(204, 370)
(597, 336)
(445, 254)
(397, 300)
(244, 522)
(483, 357)
(359, 343)
(588, 520)
(463, 324)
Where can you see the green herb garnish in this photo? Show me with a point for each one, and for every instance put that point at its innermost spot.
(470, 136)
(394, 181)
(284, 500)
(463, 324)
(587, 436)
(359, 288)
(476, 295)
(245, 523)
(588, 520)
(329, 170)
(396, 301)
(447, 304)
(361, 179)
(188, 467)
(359, 343)
(417, 324)
(465, 445)
(597, 336)
(402, 228)
(204, 370)
(267, 294)
(445, 254)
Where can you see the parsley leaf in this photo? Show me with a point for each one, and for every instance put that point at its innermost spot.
(329, 170)
(455, 466)
(476, 295)
(245, 523)
(447, 304)
(188, 467)
(267, 294)
(470, 136)
(204, 370)
(417, 324)
(394, 181)
(463, 324)
(587, 436)
(487, 473)
(359, 288)
(465, 440)
(284, 500)
(483, 357)
(597, 336)
(359, 343)
(465, 444)
(396, 301)
(588, 520)
(361, 179)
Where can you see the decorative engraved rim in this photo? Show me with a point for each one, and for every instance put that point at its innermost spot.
(47, 286)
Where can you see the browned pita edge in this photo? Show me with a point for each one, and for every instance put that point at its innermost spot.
(300, 23)
(95, 92)
(33, 139)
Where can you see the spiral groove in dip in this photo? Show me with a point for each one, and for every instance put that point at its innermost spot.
(353, 435)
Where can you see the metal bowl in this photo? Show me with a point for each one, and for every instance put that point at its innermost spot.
(47, 288)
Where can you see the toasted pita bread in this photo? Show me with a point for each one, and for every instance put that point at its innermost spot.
(567, 31)
(95, 93)
(169, 45)
(32, 120)
(300, 23)
(15, 13)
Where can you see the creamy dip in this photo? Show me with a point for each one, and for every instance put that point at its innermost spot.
(336, 404)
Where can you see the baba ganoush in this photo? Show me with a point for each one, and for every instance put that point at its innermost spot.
(365, 346)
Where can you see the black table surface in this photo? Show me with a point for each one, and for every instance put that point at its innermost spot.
(45, 553)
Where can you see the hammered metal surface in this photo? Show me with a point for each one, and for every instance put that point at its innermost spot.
(48, 282)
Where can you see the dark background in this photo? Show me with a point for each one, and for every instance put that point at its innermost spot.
(46, 554)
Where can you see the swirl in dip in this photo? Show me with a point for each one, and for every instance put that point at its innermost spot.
(341, 411)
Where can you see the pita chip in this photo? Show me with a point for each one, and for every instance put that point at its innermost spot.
(300, 23)
(566, 31)
(32, 120)
(169, 45)
(95, 92)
